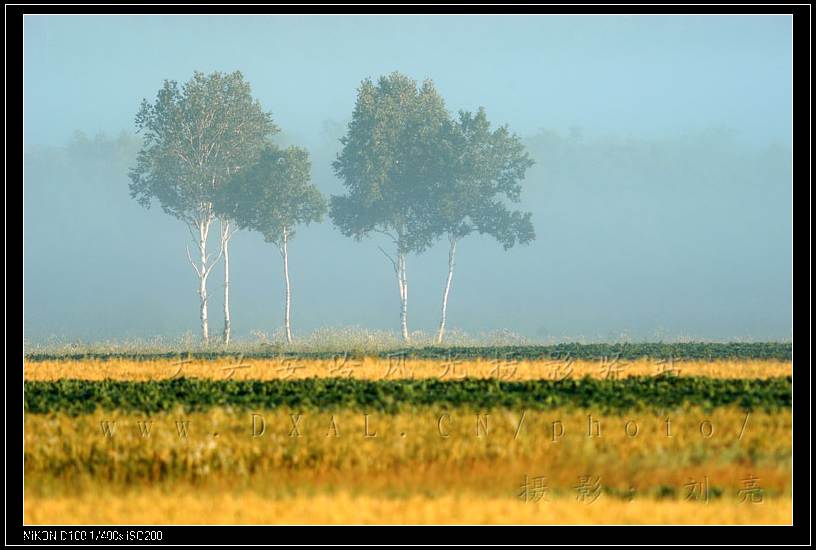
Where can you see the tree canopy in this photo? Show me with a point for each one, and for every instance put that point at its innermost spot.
(273, 195)
(389, 161)
(195, 137)
(484, 172)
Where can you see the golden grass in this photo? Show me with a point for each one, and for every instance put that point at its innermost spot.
(329, 472)
(383, 369)
(409, 454)
(157, 507)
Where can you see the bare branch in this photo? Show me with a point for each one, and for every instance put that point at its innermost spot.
(192, 233)
(387, 234)
(192, 263)
(231, 228)
(390, 258)
(215, 261)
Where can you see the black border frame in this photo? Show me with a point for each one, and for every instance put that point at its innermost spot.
(799, 533)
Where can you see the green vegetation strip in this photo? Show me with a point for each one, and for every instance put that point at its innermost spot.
(699, 350)
(83, 396)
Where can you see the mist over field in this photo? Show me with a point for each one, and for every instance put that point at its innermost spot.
(660, 195)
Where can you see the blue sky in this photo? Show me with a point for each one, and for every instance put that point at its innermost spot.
(635, 75)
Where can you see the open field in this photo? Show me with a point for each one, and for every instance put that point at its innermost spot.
(445, 448)
(375, 368)
(656, 393)
(330, 344)
(187, 507)
(107, 442)
(426, 465)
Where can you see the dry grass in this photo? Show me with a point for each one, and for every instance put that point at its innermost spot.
(329, 472)
(382, 369)
(157, 507)
(409, 454)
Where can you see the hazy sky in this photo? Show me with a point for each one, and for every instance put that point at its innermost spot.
(618, 74)
(661, 194)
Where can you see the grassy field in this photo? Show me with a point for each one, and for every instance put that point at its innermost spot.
(189, 507)
(106, 442)
(377, 368)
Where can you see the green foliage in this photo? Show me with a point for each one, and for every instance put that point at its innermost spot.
(484, 171)
(390, 160)
(710, 351)
(656, 393)
(273, 195)
(416, 174)
(195, 136)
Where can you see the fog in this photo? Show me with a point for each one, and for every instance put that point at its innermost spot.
(661, 194)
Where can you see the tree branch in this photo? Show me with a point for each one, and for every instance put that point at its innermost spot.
(231, 229)
(192, 233)
(390, 258)
(386, 233)
(192, 263)
(215, 261)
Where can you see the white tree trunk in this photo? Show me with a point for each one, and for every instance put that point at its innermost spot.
(225, 237)
(402, 280)
(203, 267)
(446, 293)
(203, 272)
(287, 311)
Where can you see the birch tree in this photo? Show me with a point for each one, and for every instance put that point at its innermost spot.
(197, 136)
(485, 171)
(273, 197)
(389, 161)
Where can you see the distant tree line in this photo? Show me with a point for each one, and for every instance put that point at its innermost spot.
(412, 172)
